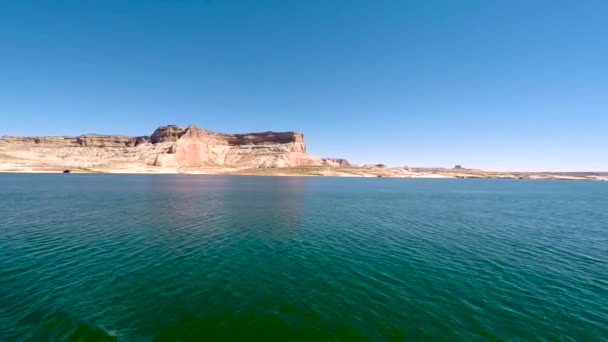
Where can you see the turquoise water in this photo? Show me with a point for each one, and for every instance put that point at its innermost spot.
(179, 257)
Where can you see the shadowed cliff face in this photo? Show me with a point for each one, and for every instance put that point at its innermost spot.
(174, 133)
(168, 146)
(167, 133)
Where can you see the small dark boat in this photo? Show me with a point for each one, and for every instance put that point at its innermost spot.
(67, 171)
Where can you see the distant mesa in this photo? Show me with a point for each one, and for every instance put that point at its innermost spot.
(380, 166)
(337, 162)
(168, 146)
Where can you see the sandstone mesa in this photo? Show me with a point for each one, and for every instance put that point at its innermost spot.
(168, 147)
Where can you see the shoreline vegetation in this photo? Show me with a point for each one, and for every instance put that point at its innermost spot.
(351, 171)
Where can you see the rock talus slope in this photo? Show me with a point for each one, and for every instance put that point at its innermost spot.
(168, 146)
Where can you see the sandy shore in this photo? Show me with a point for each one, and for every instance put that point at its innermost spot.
(313, 171)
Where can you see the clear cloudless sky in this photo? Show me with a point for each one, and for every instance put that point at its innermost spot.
(490, 84)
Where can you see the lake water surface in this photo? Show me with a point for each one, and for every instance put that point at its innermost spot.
(191, 257)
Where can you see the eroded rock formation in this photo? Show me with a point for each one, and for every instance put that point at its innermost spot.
(168, 146)
(336, 162)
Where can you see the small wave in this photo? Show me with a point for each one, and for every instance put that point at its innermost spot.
(64, 327)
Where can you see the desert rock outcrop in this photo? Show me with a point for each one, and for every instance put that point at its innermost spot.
(168, 146)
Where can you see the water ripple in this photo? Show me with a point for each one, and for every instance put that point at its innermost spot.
(135, 258)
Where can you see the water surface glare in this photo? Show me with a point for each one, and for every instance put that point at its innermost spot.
(191, 257)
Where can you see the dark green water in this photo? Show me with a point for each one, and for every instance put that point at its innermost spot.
(142, 257)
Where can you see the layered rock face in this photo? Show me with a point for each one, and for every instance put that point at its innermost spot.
(168, 146)
(192, 146)
(87, 140)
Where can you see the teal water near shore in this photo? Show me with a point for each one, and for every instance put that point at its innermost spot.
(190, 257)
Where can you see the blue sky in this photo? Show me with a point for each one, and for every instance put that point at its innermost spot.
(490, 84)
